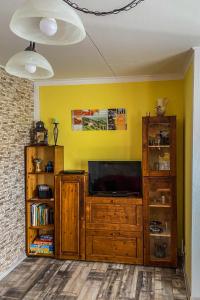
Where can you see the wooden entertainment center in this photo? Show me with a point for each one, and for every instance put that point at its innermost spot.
(108, 229)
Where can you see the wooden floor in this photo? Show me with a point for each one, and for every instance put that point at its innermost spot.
(40, 278)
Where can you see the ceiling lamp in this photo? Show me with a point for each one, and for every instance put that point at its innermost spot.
(49, 22)
(29, 64)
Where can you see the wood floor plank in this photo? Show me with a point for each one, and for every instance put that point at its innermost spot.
(90, 290)
(128, 283)
(78, 280)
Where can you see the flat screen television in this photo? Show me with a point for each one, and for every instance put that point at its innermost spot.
(115, 178)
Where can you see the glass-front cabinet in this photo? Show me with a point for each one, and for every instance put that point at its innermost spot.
(159, 191)
(159, 135)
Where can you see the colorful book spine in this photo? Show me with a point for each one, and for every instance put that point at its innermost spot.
(43, 244)
(41, 214)
(42, 249)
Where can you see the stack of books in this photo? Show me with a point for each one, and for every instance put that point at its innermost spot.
(43, 244)
(41, 214)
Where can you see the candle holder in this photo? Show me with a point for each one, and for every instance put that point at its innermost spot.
(55, 131)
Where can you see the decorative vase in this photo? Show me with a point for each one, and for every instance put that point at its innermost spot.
(161, 106)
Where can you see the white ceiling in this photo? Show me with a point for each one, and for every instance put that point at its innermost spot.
(153, 38)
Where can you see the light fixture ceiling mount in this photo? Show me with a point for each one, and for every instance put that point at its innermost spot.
(115, 11)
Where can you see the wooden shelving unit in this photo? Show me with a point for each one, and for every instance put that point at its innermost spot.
(33, 179)
(49, 201)
(160, 205)
(159, 191)
(43, 227)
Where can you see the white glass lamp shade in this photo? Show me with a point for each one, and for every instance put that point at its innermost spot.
(26, 22)
(30, 65)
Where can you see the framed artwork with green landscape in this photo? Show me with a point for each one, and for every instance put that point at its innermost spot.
(99, 119)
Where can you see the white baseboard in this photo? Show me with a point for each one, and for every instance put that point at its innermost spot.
(13, 266)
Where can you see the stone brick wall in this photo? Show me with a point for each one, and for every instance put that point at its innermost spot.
(16, 119)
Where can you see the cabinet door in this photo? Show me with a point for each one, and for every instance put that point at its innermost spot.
(159, 146)
(69, 217)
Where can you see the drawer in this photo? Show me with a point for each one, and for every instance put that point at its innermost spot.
(114, 216)
(123, 247)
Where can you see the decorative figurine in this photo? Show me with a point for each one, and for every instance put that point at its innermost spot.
(40, 134)
(49, 167)
(55, 131)
(161, 106)
(37, 165)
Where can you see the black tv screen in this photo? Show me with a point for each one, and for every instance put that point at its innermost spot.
(115, 178)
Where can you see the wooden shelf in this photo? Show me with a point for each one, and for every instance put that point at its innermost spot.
(44, 227)
(163, 190)
(37, 200)
(41, 254)
(41, 173)
(160, 205)
(159, 146)
(163, 234)
(157, 259)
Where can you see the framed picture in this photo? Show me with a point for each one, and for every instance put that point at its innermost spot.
(99, 119)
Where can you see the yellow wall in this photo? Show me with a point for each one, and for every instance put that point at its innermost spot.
(137, 98)
(188, 91)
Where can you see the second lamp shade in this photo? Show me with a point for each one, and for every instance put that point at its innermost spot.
(22, 64)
